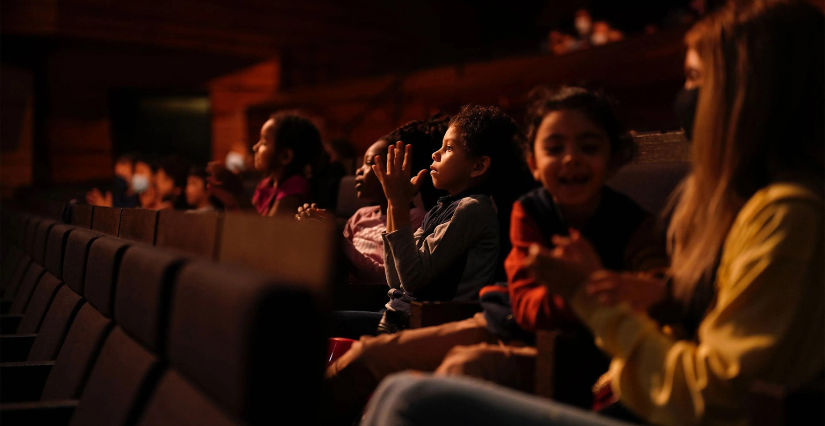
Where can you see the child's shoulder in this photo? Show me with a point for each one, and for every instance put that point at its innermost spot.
(476, 204)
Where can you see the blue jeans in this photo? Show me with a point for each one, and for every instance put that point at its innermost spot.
(405, 400)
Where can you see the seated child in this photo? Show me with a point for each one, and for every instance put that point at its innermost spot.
(122, 194)
(170, 181)
(363, 245)
(285, 153)
(198, 195)
(576, 142)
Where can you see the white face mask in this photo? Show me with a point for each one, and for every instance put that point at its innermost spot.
(140, 183)
(583, 25)
(235, 162)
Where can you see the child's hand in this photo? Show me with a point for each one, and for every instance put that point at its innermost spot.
(577, 249)
(638, 290)
(96, 198)
(560, 276)
(398, 187)
(312, 211)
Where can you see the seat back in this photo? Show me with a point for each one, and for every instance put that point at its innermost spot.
(77, 354)
(189, 232)
(17, 277)
(75, 257)
(55, 325)
(41, 237)
(220, 338)
(295, 252)
(27, 285)
(106, 220)
(40, 301)
(82, 215)
(143, 293)
(103, 266)
(56, 248)
(138, 225)
(650, 184)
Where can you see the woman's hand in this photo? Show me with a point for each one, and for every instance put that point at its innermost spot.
(311, 211)
(560, 276)
(640, 291)
(578, 250)
(395, 178)
(96, 198)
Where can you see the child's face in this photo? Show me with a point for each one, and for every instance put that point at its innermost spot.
(367, 185)
(571, 157)
(265, 148)
(451, 170)
(165, 185)
(195, 190)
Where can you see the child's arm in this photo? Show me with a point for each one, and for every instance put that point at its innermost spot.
(363, 267)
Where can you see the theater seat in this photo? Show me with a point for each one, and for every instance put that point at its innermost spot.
(55, 325)
(75, 258)
(41, 238)
(26, 289)
(56, 248)
(103, 266)
(40, 301)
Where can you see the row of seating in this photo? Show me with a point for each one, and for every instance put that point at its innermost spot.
(99, 329)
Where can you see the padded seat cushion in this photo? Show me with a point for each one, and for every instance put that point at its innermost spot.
(122, 376)
(176, 402)
(77, 354)
(41, 300)
(103, 265)
(55, 325)
(75, 259)
(55, 249)
(27, 286)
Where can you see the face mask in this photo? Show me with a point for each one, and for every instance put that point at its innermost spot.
(582, 25)
(235, 162)
(140, 183)
(685, 109)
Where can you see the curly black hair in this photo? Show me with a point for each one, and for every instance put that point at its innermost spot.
(597, 106)
(293, 130)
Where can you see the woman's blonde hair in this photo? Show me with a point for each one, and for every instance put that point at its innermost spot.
(759, 116)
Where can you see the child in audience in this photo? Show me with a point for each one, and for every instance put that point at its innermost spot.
(197, 194)
(143, 183)
(286, 154)
(363, 244)
(575, 143)
(750, 215)
(122, 195)
(170, 182)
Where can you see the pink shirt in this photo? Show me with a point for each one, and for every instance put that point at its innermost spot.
(364, 246)
(266, 194)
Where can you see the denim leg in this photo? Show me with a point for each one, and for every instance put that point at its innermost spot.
(405, 400)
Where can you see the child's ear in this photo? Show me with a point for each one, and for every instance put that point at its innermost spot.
(534, 170)
(286, 156)
(481, 166)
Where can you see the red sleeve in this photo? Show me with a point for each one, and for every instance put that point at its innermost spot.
(532, 307)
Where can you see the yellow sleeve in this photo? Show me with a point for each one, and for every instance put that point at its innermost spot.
(768, 259)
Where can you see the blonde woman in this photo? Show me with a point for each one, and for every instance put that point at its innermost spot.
(753, 205)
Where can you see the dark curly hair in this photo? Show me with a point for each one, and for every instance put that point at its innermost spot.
(594, 104)
(293, 130)
(425, 136)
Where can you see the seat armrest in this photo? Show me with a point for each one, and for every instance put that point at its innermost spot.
(54, 413)
(16, 347)
(9, 323)
(427, 314)
(23, 381)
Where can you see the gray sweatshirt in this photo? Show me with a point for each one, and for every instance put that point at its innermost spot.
(451, 257)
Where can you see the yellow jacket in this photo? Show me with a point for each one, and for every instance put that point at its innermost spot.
(768, 322)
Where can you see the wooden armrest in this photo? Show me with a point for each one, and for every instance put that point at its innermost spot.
(5, 305)
(23, 381)
(428, 314)
(15, 347)
(53, 413)
(567, 366)
(781, 405)
(9, 323)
